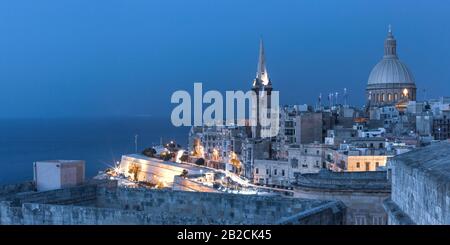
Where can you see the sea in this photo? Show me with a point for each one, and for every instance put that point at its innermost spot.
(99, 141)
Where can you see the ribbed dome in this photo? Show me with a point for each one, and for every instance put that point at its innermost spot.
(390, 70)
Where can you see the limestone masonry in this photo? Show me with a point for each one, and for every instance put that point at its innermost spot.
(102, 202)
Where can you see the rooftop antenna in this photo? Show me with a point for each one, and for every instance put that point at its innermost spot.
(136, 143)
(336, 98)
(345, 97)
(320, 101)
(330, 95)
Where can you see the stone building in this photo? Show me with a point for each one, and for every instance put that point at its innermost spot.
(365, 163)
(390, 81)
(421, 187)
(273, 173)
(441, 127)
(362, 193)
(339, 135)
(253, 149)
(308, 158)
(223, 139)
(424, 124)
(312, 127)
(362, 154)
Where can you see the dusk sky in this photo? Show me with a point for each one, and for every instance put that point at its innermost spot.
(126, 58)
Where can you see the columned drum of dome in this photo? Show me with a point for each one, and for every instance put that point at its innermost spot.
(390, 81)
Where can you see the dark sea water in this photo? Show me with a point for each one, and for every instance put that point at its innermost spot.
(100, 142)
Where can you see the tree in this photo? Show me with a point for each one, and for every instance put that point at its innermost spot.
(200, 161)
(184, 158)
(184, 173)
(134, 169)
(149, 152)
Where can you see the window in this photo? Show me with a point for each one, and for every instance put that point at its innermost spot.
(377, 164)
(275, 172)
(317, 164)
(389, 97)
(317, 152)
(306, 150)
(257, 171)
(282, 172)
(267, 171)
(395, 96)
(294, 163)
(367, 166)
(358, 165)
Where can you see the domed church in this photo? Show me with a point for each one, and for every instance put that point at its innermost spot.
(390, 82)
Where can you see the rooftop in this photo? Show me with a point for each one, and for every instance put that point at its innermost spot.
(433, 160)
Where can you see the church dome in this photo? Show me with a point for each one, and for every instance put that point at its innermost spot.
(390, 70)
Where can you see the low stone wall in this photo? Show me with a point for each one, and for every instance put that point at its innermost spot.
(328, 214)
(81, 195)
(114, 205)
(46, 214)
(8, 190)
(208, 208)
(370, 180)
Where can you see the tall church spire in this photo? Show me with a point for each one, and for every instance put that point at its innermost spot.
(390, 45)
(262, 76)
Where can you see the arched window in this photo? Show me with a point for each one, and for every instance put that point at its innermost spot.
(395, 97)
(383, 97)
(389, 97)
(378, 97)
